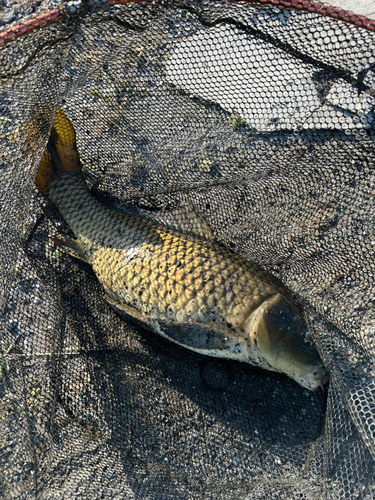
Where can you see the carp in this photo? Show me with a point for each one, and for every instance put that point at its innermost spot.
(178, 283)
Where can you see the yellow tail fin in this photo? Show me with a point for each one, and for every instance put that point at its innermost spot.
(63, 138)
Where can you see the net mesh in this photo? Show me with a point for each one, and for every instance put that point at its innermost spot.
(263, 117)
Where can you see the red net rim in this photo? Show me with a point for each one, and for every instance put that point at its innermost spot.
(304, 5)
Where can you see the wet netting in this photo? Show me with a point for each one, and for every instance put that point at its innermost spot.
(262, 117)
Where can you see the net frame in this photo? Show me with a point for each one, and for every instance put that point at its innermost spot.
(75, 8)
(44, 20)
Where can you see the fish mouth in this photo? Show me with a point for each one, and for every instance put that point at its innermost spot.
(276, 341)
(313, 381)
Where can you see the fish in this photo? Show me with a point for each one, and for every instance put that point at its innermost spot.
(174, 278)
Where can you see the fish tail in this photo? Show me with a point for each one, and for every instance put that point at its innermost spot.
(61, 154)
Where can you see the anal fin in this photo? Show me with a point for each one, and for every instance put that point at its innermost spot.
(71, 247)
(193, 336)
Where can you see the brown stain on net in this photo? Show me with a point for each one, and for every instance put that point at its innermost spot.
(308, 6)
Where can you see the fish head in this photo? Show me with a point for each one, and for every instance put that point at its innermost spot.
(279, 338)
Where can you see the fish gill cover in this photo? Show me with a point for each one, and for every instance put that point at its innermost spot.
(262, 117)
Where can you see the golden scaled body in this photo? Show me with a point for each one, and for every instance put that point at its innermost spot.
(185, 287)
(157, 272)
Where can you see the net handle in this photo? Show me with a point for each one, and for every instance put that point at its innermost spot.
(304, 5)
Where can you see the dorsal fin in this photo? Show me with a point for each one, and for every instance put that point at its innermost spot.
(185, 219)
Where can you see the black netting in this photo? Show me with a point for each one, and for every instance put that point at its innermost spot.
(263, 117)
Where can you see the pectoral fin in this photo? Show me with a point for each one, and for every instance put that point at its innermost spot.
(193, 336)
(204, 340)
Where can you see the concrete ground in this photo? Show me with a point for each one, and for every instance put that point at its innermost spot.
(361, 7)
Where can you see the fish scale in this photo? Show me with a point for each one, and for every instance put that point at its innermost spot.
(183, 286)
(130, 256)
